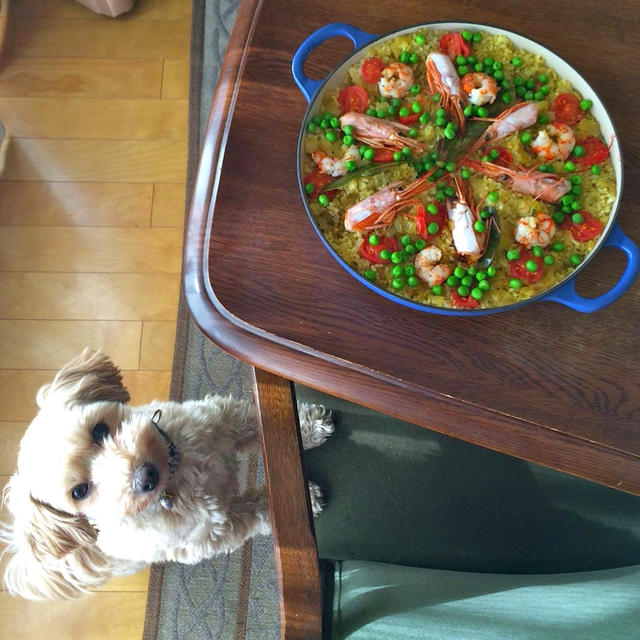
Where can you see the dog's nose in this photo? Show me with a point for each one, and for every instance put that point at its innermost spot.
(145, 478)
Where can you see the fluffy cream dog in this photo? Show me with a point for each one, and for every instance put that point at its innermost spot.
(103, 488)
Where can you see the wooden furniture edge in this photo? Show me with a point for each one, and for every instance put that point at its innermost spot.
(476, 424)
(293, 539)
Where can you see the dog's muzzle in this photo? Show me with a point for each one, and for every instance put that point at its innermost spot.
(166, 499)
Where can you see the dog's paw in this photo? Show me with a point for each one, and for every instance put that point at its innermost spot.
(316, 424)
(317, 499)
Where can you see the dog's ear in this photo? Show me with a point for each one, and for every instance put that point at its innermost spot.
(91, 377)
(52, 554)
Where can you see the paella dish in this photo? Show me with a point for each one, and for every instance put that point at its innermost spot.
(457, 170)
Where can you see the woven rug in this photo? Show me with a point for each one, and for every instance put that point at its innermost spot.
(231, 597)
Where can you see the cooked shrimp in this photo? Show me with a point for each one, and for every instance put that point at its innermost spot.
(443, 79)
(333, 166)
(469, 243)
(379, 133)
(518, 117)
(479, 87)
(396, 80)
(380, 209)
(547, 187)
(535, 230)
(554, 142)
(427, 267)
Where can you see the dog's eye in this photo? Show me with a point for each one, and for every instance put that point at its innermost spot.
(100, 432)
(80, 491)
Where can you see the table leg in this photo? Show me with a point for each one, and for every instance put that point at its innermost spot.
(291, 519)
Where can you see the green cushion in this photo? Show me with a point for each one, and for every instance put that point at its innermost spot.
(401, 494)
(374, 601)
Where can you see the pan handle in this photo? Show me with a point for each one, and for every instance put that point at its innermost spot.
(567, 294)
(306, 85)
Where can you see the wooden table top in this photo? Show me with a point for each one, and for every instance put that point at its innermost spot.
(541, 382)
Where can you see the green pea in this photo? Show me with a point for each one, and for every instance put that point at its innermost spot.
(436, 290)
(558, 216)
(450, 166)
(432, 208)
(416, 107)
(576, 205)
(369, 153)
(515, 283)
(385, 254)
(481, 275)
(409, 270)
(557, 246)
(449, 134)
(370, 274)
(567, 199)
(478, 66)
(420, 244)
(334, 122)
(467, 35)
(576, 190)
(324, 123)
(569, 166)
(323, 200)
(449, 191)
(413, 58)
(317, 119)
(577, 218)
(350, 165)
(468, 110)
(531, 265)
(520, 90)
(463, 291)
(412, 281)
(348, 140)
(486, 158)
(516, 61)
(397, 283)
(538, 95)
(548, 259)
(479, 226)
(396, 257)
(412, 133)
(465, 173)
(491, 271)
(476, 293)
(424, 118)
(432, 228)
(404, 112)
(493, 196)
(543, 118)
(513, 254)
(441, 121)
(494, 154)
(414, 90)
(309, 188)
(585, 105)
(419, 39)
(575, 259)
(575, 180)
(537, 251)
(330, 136)
(506, 98)
(595, 170)
(397, 271)
(463, 69)
(467, 281)
(311, 127)
(477, 36)
(396, 102)
(525, 138)
(397, 156)
(528, 95)
(578, 151)
(374, 239)
(483, 112)
(406, 151)
(435, 97)
(452, 281)
(459, 272)
(410, 249)
(484, 285)
(381, 113)
(404, 56)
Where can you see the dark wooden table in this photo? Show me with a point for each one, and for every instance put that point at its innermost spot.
(541, 382)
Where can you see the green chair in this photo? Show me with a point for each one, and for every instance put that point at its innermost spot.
(428, 537)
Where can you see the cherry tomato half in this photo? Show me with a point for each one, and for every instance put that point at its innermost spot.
(567, 109)
(595, 152)
(424, 219)
(453, 45)
(319, 182)
(353, 98)
(412, 118)
(371, 252)
(464, 302)
(504, 158)
(518, 269)
(584, 231)
(371, 70)
(383, 155)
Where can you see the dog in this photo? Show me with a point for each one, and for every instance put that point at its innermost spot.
(103, 488)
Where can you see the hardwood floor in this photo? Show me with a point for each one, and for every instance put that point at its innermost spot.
(91, 213)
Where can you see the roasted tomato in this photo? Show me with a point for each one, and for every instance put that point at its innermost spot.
(464, 302)
(453, 45)
(353, 98)
(372, 251)
(595, 152)
(424, 219)
(319, 182)
(584, 231)
(567, 109)
(371, 70)
(518, 268)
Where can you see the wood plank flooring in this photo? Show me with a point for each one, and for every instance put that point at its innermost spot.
(91, 212)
